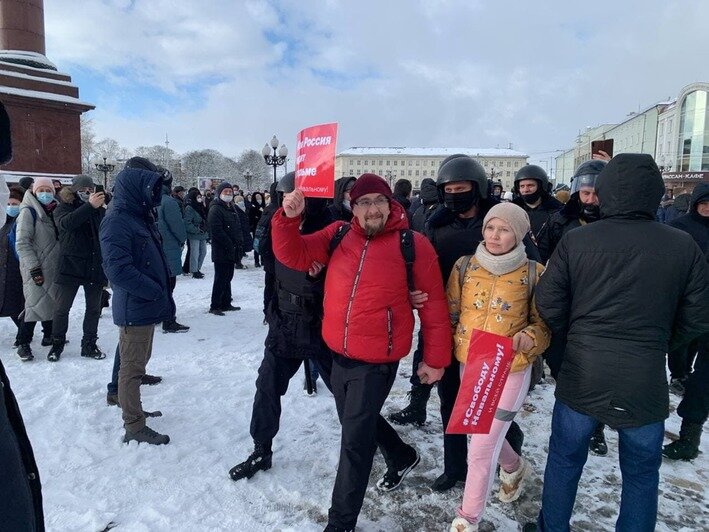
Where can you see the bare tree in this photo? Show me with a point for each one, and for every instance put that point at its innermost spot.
(252, 161)
(88, 145)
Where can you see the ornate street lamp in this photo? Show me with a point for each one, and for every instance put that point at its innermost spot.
(106, 169)
(277, 158)
(248, 176)
(390, 178)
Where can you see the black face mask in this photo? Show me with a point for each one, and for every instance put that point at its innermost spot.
(529, 199)
(590, 213)
(460, 202)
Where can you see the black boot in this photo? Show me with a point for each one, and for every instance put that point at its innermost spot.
(687, 447)
(89, 349)
(57, 349)
(445, 482)
(597, 445)
(174, 327)
(24, 351)
(150, 380)
(259, 460)
(415, 413)
(146, 435)
(515, 437)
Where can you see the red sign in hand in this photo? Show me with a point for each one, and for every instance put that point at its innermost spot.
(489, 360)
(315, 161)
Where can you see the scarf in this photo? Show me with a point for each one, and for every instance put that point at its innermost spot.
(501, 264)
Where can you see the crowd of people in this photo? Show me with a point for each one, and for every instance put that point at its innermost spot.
(567, 278)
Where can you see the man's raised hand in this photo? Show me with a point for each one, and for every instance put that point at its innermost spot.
(294, 203)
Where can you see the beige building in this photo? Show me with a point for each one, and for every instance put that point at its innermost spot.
(416, 164)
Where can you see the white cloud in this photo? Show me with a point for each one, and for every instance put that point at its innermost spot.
(444, 72)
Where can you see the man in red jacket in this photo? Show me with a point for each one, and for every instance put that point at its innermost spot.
(368, 321)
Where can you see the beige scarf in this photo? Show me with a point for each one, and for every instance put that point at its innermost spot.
(501, 264)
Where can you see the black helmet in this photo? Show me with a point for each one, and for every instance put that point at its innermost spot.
(450, 158)
(462, 168)
(585, 175)
(532, 171)
(287, 183)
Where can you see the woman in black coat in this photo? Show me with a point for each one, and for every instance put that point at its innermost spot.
(258, 204)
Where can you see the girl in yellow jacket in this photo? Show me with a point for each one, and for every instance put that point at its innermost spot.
(494, 296)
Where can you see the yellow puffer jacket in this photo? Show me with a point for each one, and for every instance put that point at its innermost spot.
(496, 304)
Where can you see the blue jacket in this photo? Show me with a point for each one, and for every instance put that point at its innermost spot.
(172, 229)
(133, 258)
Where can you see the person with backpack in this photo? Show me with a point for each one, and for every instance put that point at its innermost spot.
(196, 226)
(78, 218)
(37, 245)
(368, 324)
(493, 291)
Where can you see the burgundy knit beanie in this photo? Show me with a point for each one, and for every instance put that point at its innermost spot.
(369, 184)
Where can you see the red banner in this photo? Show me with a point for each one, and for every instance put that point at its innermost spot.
(489, 360)
(315, 161)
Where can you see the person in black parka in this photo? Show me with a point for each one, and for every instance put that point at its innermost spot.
(340, 207)
(258, 204)
(227, 245)
(621, 307)
(262, 244)
(428, 199)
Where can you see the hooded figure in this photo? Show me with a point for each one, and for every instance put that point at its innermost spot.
(429, 201)
(340, 207)
(620, 309)
(694, 223)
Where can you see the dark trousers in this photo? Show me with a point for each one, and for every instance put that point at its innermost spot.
(171, 284)
(455, 446)
(360, 390)
(113, 385)
(221, 289)
(694, 406)
(66, 293)
(186, 262)
(680, 360)
(269, 291)
(640, 456)
(25, 330)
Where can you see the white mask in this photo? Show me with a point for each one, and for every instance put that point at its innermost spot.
(226, 198)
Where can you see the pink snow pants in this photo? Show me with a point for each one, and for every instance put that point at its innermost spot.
(487, 450)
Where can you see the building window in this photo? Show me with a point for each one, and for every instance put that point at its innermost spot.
(418, 163)
(396, 163)
(417, 172)
(409, 173)
(366, 163)
(693, 148)
(388, 163)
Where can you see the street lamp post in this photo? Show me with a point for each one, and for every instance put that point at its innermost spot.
(390, 178)
(277, 158)
(106, 169)
(248, 176)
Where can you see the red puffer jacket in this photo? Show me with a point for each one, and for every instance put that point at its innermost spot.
(368, 315)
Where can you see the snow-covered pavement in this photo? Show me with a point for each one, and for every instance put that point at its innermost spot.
(91, 479)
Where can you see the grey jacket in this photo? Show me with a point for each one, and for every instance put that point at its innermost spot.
(37, 246)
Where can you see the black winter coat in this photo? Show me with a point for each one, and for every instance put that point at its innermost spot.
(695, 224)
(623, 291)
(454, 237)
(80, 249)
(538, 217)
(560, 223)
(337, 210)
(428, 202)
(20, 487)
(226, 233)
(246, 238)
(12, 300)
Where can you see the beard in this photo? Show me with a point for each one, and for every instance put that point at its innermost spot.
(374, 225)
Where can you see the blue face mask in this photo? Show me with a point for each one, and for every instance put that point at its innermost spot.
(45, 198)
(13, 210)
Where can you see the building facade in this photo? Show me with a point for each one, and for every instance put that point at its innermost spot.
(416, 164)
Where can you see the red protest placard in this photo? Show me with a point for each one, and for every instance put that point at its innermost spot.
(315, 161)
(489, 361)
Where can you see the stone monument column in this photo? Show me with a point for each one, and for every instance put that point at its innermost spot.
(22, 25)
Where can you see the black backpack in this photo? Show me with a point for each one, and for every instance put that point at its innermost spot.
(406, 243)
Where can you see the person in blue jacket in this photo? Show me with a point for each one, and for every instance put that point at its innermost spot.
(136, 266)
(174, 235)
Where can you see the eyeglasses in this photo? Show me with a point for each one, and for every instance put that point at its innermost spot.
(367, 203)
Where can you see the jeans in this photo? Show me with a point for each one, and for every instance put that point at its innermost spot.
(113, 385)
(198, 251)
(640, 454)
(66, 293)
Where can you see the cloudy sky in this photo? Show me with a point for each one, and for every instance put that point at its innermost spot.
(228, 74)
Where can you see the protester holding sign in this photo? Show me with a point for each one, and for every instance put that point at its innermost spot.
(490, 291)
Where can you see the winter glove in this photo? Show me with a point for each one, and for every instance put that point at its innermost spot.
(37, 277)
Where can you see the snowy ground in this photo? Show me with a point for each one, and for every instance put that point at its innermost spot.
(91, 479)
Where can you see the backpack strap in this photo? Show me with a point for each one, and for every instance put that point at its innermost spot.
(463, 269)
(531, 277)
(337, 238)
(408, 251)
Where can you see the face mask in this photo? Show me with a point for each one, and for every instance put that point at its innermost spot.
(460, 202)
(45, 198)
(591, 212)
(226, 198)
(529, 199)
(13, 210)
(83, 196)
(346, 204)
(241, 205)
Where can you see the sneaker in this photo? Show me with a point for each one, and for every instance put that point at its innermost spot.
(174, 327)
(259, 460)
(112, 399)
(146, 435)
(56, 351)
(216, 312)
(445, 482)
(511, 483)
(24, 351)
(150, 380)
(460, 524)
(394, 477)
(230, 308)
(677, 386)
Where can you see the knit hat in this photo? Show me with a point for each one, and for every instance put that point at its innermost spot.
(512, 215)
(81, 181)
(369, 184)
(178, 189)
(42, 182)
(17, 193)
(26, 182)
(222, 186)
